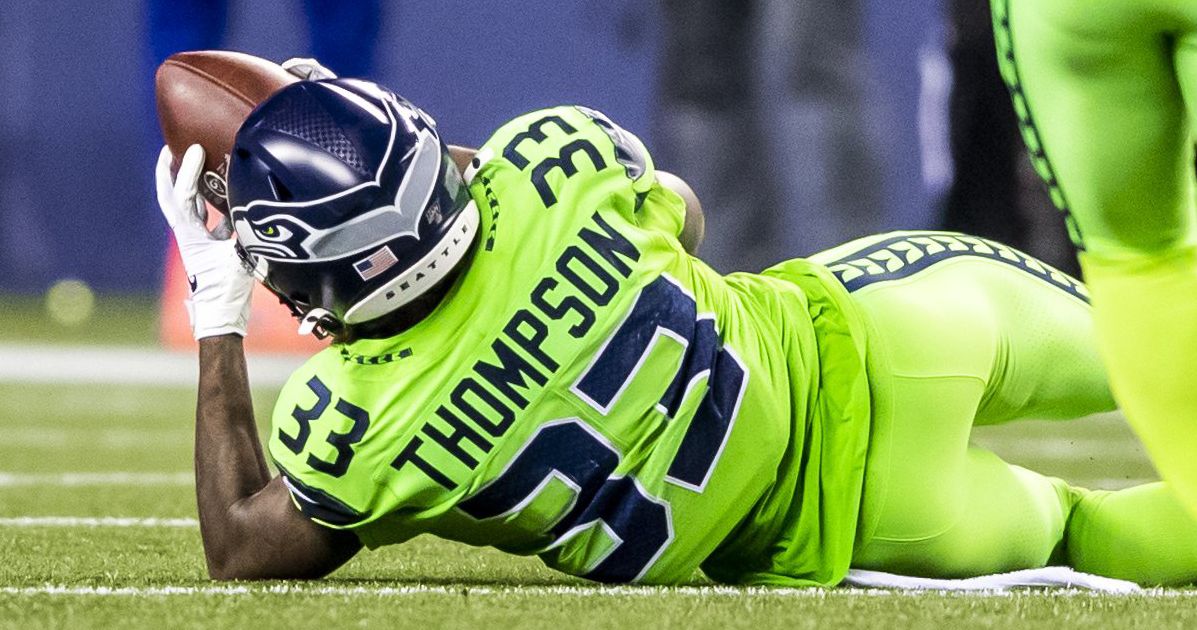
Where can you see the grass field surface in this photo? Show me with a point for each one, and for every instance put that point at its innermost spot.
(97, 529)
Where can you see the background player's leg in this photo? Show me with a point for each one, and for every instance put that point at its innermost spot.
(1047, 367)
(1101, 89)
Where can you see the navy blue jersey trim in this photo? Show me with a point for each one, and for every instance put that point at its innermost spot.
(1004, 38)
(903, 256)
(319, 505)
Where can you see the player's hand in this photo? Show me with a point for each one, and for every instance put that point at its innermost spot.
(221, 285)
(308, 69)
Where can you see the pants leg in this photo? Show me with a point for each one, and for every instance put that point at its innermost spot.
(1143, 534)
(967, 331)
(1106, 92)
(1101, 107)
(962, 327)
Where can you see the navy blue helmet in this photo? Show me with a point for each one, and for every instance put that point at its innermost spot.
(345, 201)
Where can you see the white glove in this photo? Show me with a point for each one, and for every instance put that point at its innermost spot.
(308, 69)
(220, 283)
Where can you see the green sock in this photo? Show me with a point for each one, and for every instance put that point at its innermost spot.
(1140, 534)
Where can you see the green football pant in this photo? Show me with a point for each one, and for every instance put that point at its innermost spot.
(966, 332)
(1107, 91)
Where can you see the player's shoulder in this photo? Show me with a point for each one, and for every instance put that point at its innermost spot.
(564, 118)
(325, 440)
(323, 366)
(546, 131)
(340, 374)
(552, 151)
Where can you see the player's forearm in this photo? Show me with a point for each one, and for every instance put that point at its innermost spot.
(229, 463)
(694, 227)
(692, 232)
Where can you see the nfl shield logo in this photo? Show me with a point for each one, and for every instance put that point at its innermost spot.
(375, 263)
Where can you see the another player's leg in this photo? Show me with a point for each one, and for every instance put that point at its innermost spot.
(1102, 89)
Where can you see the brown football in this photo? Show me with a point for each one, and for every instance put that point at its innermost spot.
(203, 97)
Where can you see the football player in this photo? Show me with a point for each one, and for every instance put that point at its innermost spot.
(1107, 94)
(526, 354)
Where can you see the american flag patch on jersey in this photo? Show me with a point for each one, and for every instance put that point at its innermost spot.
(375, 263)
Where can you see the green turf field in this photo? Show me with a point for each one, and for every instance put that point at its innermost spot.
(97, 529)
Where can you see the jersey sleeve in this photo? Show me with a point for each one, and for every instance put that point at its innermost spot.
(662, 210)
(657, 207)
(315, 442)
(319, 505)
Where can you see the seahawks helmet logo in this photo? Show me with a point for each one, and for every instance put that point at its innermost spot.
(273, 229)
(278, 236)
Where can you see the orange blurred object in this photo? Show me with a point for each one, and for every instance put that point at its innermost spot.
(271, 327)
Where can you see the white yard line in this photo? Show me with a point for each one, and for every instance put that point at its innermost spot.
(120, 365)
(92, 479)
(416, 589)
(94, 437)
(581, 590)
(95, 521)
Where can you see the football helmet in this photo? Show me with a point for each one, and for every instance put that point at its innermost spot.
(345, 201)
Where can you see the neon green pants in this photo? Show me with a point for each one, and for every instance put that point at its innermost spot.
(1106, 91)
(966, 332)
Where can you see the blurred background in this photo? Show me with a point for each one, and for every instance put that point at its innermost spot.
(800, 123)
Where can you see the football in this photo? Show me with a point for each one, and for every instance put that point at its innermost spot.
(203, 97)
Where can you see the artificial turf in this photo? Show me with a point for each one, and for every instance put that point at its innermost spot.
(74, 452)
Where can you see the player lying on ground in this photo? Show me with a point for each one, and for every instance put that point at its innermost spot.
(530, 357)
(1107, 94)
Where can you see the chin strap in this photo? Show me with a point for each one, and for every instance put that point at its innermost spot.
(317, 322)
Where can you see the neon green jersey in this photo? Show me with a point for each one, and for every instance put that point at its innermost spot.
(590, 393)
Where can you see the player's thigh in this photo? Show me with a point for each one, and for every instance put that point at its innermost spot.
(1006, 518)
(961, 329)
(933, 341)
(1095, 83)
(946, 304)
(1047, 365)
(934, 506)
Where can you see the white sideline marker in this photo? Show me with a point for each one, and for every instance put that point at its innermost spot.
(95, 479)
(564, 590)
(123, 365)
(96, 521)
(1050, 577)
